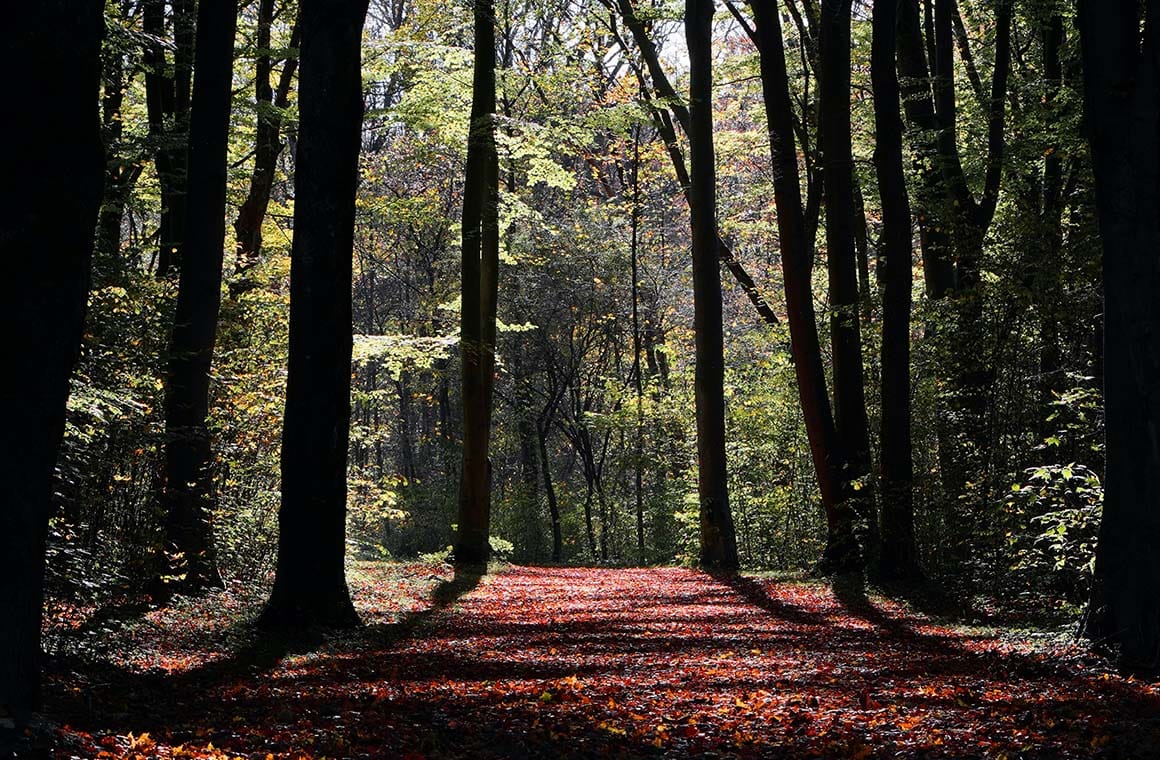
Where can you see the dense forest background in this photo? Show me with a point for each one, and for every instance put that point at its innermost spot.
(593, 456)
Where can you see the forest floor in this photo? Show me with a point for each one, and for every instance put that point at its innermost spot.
(581, 662)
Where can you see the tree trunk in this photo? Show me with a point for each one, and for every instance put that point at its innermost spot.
(267, 139)
(718, 540)
(664, 125)
(898, 556)
(478, 297)
(189, 486)
(796, 260)
(310, 582)
(637, 378)
(120, 175)
(550, 491)
(52, 54)
(841, 257)
(1123, 114)
(167, 99)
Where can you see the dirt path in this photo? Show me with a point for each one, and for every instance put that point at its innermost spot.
(629, 663)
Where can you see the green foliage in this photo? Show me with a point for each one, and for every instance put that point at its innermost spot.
(1053, 518)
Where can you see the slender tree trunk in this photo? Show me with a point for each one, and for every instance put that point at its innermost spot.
(718, 540)
(52, 54)
(637, 379)
(1050, 208)
(550, 491)
(189, 486)
(850, 419)
(168, 104)
(310, 581)
(121, 173)
(479, 297)
(1121, 76)
(796, 260)
(898, 557)
(664, 124)
(267, 140)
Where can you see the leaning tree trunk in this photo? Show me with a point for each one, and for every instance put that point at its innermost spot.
(718, 540)
(54, 170)
(897, 559)
(189, 489)
(842, 550)
(480, 268)
(268, 145)
(1121, 77)
(310, 581)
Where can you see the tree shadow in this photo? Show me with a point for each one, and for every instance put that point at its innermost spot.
(160, 693)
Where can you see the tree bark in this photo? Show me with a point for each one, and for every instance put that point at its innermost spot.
(718, 540)
(52, 54)
(898, 556)
(1123, 115)
(310, 582)
(480, 268)
(189, 485)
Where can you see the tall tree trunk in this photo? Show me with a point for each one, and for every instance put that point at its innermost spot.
(480, 269)
(1121, 76)
(850, 420)
(310, 582)
(718, 540)
(268, 145)
(189, 487)
(52, 54)
(898, 557)
(842, 550)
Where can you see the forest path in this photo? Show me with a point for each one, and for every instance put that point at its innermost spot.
(552, 662)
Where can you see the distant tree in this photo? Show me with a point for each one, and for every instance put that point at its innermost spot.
(189, 486)
(479, 297)
(897, 557)
(126, 162)
(168, 87)
(52, 183)
(270, 101)
(718, 541)
(1122, 104)
(954, 221)
(666, 108)
(310, 581)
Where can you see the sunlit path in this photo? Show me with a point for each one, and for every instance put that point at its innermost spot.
(601, 662)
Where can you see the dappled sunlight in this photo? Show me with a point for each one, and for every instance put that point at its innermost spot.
(575, 662)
